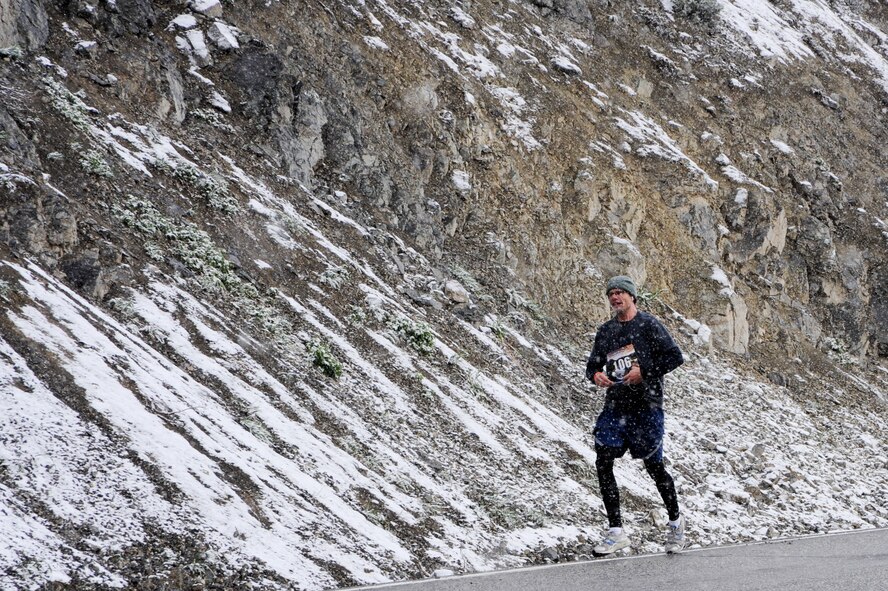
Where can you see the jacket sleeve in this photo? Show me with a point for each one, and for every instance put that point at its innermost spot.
(665, 354)
(597, 358)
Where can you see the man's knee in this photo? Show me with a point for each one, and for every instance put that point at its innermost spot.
(657, 470)
(608, 453)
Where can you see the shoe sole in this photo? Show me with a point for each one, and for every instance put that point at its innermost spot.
(674, 550)
(611, 553)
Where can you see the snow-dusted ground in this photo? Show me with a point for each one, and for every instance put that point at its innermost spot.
(750, 460)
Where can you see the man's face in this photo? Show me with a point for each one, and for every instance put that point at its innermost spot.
(620, 301)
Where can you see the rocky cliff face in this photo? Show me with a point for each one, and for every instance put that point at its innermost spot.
(619, 138)
(426, 198)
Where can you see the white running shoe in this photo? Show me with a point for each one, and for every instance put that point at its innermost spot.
(612, 542)
(675, 537)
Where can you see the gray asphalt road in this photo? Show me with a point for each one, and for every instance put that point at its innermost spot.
(853, 560)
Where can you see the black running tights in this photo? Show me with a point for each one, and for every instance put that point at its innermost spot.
(611, 495)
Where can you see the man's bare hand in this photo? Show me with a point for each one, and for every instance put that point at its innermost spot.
(633, 376)
(601, 380)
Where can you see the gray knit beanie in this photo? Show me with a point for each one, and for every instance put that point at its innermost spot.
(622, 282)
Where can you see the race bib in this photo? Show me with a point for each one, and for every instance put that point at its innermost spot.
(619, 362)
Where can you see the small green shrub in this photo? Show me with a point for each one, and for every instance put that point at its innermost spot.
(214, 191)
(839, 351)
(213, 118)
(254, 425)
(267, 317)
(498, 330)
(334, 276)
(13, 52)
(154, 251)
(68, 104)
(93, 163)
(162, 165)
(417, 334)
(123, 306)
(647, 298)
(323, 359)
(357, 316)
(521, 303)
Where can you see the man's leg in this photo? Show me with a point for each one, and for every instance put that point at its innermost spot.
(665, 485)
(675, 530)
(646, 442)
(610, 494)
(610, 444)
(616, 539)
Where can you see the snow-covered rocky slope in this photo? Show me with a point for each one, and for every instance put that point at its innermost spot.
(299, 294)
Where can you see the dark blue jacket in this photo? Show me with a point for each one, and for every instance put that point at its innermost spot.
(655, 350)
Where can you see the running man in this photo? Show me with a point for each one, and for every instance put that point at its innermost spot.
(632, 353)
